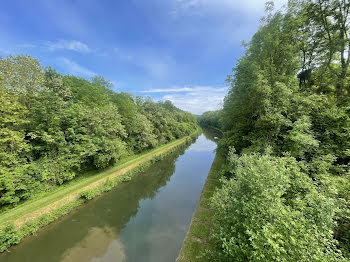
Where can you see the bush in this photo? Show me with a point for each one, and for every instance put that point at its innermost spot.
(109, 184)
(125, 178)
(90, 194)
(271, 211)
(8, 237)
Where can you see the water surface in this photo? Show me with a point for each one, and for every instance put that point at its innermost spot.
(143, 220)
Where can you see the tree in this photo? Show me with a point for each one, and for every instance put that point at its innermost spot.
(12, 149)
(101, 81)
(54, 127)
(330, 21)
(288, 101)
(23, 75)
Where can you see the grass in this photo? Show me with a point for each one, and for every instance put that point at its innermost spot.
(205, 203)
(207, 194)
(191, 251)
(203, 215)
(53, 200)
(199, 230)
(198, 236)
(210, 187)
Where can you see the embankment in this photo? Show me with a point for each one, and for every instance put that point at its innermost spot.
(29, 217)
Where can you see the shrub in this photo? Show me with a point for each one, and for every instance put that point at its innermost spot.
(90, 194)
(271, 211)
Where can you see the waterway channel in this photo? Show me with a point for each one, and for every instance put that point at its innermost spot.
(145, 219)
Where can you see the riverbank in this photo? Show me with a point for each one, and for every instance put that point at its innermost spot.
(198, 235)
(29, 217)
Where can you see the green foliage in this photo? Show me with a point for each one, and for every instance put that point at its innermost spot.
(109, 184)
(210, 119)
(286, 126)
(23, 75)
(90, 194)
(14, 180)
(10, 235)
(199, 230)
(125, 178)
(272, 211)
(54, 127)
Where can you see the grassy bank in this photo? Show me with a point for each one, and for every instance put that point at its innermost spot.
(198, 236)
(27, 218)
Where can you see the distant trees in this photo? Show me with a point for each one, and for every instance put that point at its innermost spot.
(53, 127)
(210, 119)
(286, 137)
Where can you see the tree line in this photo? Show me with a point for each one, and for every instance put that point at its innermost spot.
(55, 127)
(285, 194)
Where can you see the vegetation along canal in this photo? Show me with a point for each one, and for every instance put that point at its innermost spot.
(145, 219)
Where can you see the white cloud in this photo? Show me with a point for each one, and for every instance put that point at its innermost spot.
(201, 7)
(27, 46)
(196, 99)
(123, 55)
(5, 52)
(156, 65)
(169, 90)
(220, 24)
(186, 89)
(72, 45)
(74, 68)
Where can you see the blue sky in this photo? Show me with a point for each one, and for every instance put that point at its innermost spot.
(180, 50)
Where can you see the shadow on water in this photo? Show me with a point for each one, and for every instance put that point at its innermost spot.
(212, 134)
(132, 216)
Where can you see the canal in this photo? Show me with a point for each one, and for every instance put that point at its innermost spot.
(145, 219)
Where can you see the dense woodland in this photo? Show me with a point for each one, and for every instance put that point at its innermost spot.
(286, 124)
(55, 127)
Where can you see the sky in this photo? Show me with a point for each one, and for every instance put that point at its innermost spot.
(177, 50)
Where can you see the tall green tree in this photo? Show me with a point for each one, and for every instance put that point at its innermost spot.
(13, 148)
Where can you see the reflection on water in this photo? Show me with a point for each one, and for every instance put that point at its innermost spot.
(100, 244)
(212, 134)
(145, 219)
